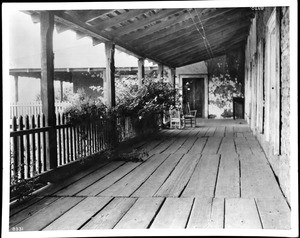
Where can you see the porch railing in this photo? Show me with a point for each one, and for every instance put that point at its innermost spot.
(29, 147)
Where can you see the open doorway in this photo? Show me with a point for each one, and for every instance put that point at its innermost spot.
(195, 92)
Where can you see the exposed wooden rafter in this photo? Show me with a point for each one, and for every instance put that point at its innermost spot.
(167, 36)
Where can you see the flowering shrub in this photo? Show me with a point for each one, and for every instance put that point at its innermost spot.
(222, 90)
(84, 109)
(141, 103)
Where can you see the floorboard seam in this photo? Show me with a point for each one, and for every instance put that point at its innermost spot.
(221, 141)
(156, 213)
(149, 175)
(62, 214)
(240, 176)
(124, 175)
(168, 175)
(190, 213)
(190, 176)
(96, 213)
(217, 175)
(260, 220)
(124, 214)
(224, 211)
(206, 141)
(99, 179)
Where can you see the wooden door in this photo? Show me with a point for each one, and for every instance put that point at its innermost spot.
(193, 93)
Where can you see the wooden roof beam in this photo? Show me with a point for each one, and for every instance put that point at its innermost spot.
(215, 44)
(181, 42)
(103, 24)
(60, 28)
(161, 15)
(191, 31)
(183, 20)
(88, 15)
(217, 50)
(194, 59)
(181, 29)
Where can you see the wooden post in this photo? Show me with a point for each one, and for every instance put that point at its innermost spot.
(109, 81)
(61, 91)
(16, 77)
(160, 72)
(141, 71)
(47, 85)
(172, 76)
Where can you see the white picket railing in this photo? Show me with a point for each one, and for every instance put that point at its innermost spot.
(33, 108)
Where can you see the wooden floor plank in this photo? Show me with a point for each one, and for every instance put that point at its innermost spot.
(203, 180)
(45, 216)
(212, 145)
(128, 184)
(207, 213)
(187, 145)
(162, 146)
(108, 180)
(263, 184)
(76, 187)
(175, 145)
(254, 145)
(241, 213)
(229, 131)
(29, 211)
(227, 146)
(220, 131)
(152, 184)
(178, 179)
(274, 213)
(198, 146)
(228, 182)
(154, 141)
(242, 146)
(76, 177)
(202, 131)
(173, 214)
(111, 214)
(52, 188)
(210, 131)
(79, 214)
(140, 214)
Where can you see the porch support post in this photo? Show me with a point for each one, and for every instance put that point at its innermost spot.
(61, 91)
(172, 76)
(16, 78)
(47, 85)
(160, 72)
(109, 81)
(141, 71)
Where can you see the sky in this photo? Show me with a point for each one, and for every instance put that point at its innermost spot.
(24, 52)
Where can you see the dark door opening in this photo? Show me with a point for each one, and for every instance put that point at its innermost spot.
(193, 93)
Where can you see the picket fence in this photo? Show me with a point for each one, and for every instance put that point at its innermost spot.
(28, 142)
(34, 108)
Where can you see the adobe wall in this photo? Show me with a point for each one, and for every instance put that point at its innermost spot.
(257, 91)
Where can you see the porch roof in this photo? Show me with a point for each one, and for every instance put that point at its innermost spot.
(174, 37)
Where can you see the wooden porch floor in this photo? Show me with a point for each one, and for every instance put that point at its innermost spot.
(212, 176)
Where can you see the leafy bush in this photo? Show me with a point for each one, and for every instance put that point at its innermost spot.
(151, 98)
(84, 109)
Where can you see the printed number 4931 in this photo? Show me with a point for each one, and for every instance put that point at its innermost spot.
(17, 228)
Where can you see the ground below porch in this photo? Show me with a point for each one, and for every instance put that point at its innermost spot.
(214, 175)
